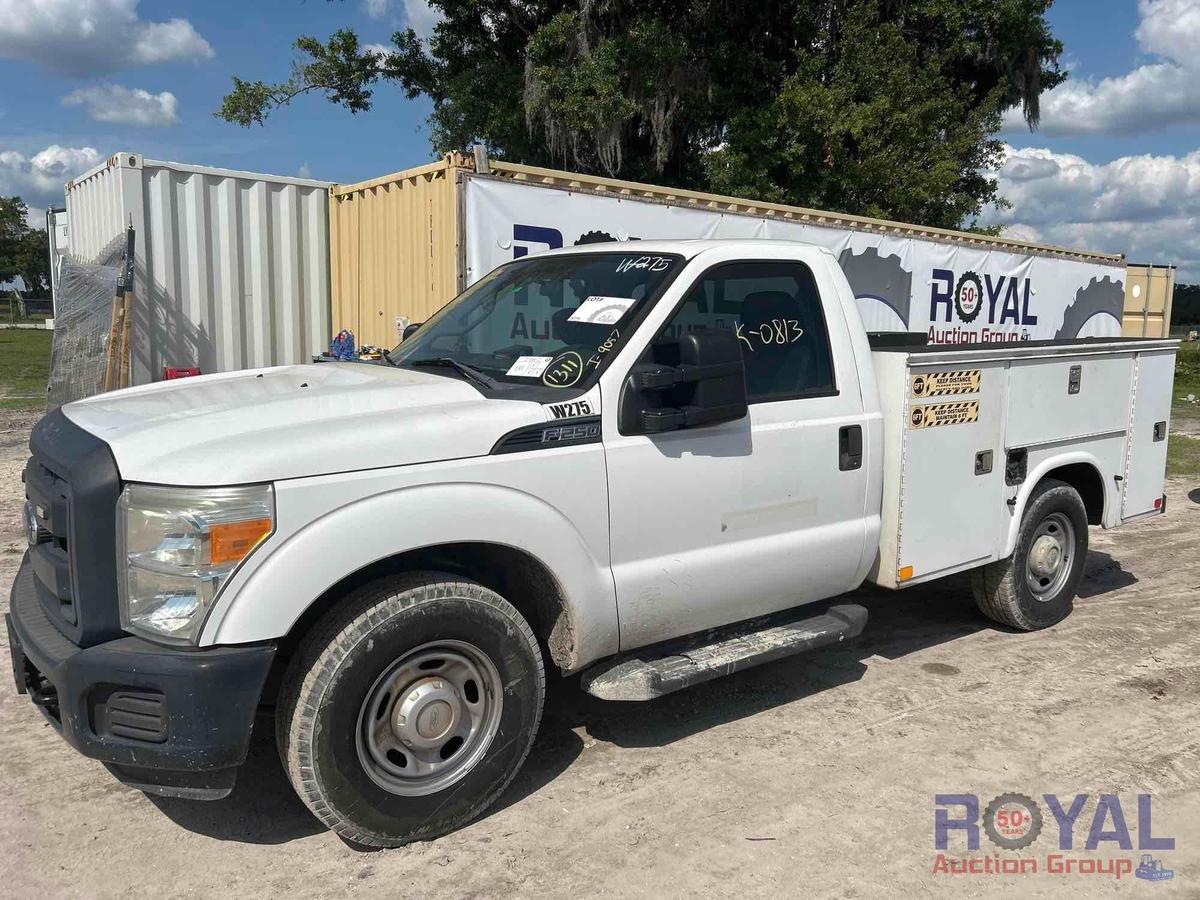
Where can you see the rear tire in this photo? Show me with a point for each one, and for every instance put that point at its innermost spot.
(409, 708)
(1035, 587)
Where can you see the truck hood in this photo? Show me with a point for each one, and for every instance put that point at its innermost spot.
(295, 421)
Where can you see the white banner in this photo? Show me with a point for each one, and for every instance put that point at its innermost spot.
(954, 294)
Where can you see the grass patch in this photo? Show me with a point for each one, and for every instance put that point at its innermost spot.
(24, 368)
(1187, 379)
(1183, 456)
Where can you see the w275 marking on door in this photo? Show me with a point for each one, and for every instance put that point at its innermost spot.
(933, 414)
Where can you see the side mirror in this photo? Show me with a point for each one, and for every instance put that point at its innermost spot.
(706, 388)
(409, 330)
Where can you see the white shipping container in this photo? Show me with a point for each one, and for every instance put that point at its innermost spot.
(231, 268)
(60, 244)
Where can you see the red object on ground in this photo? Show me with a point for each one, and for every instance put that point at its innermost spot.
(170, 372)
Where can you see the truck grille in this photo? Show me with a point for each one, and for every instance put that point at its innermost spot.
(72, 485)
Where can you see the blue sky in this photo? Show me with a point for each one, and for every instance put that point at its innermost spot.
(1116, 165)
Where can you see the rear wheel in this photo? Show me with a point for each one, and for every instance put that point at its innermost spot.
(410, 707)
(1035, 587)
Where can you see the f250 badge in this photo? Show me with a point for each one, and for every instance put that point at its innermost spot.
(570, 410)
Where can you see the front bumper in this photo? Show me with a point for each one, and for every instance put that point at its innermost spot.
(172, 722)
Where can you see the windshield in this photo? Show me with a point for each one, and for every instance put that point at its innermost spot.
(547, 321)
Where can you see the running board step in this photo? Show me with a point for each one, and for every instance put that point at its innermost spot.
(662, 668)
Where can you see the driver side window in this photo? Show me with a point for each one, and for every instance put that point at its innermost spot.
(774, 310)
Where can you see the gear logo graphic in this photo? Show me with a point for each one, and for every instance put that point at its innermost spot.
(1012, 821)
(968, 296)
(881, 278)
(1101, 296)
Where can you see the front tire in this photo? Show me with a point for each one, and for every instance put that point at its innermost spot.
(409, 708)
(1035, 587)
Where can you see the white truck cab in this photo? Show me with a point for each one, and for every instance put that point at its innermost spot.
(646, 462)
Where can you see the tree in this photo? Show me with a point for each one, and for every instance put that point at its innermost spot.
(1185, 307)
(883, 107)
(13, 229)
(33, 262)
(24, 251)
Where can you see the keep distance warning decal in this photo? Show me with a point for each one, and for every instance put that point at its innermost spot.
(931, 414)
(938, 384)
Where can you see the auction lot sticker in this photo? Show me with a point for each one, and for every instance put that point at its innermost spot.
(937, 384)
(932, 414)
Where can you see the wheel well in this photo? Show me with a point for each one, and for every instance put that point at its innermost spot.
(1087, 483)
(519, 578)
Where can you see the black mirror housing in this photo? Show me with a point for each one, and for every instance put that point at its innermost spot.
(409, 330)
(707, 387)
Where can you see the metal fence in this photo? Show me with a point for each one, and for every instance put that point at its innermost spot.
(80, 343)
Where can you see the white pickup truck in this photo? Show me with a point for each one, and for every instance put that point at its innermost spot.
(641, 462)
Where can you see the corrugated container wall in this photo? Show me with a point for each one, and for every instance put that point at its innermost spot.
(397, 250)
(231, 270)
(1149, 290)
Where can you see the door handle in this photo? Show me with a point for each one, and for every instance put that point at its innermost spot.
(850, 448)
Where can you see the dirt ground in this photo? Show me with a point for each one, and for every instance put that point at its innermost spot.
(815, 775)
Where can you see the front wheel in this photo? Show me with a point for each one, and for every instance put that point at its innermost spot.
(409, 708)
(1035, 587)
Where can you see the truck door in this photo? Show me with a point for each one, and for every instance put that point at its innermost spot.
(1146, 460)
(716, 524)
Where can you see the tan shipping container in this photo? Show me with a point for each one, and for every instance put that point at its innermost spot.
(397, 243)
(1149, 290)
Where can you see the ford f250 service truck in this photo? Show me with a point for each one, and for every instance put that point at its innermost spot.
(636, 462)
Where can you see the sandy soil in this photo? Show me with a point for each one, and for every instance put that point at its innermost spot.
(815, 775)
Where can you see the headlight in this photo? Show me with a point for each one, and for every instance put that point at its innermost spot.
(176, 549)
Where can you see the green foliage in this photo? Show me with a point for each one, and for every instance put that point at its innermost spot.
(340, 69)
(12, 232)
(1187, 371)
(879, 107)
(24, 252)
(897, 140)
(1185, 306)
(33, 262)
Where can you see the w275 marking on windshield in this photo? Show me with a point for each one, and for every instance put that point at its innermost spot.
(650, 263)
(570, 410)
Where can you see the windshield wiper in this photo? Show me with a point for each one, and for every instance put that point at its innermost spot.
(448, 362)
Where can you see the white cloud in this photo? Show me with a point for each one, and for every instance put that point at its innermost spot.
(1147, 207)
(421, 17)
(91, 37)
(1170, 28)
(415, 14)
(1150, 97)
(39, 179)
(128, 106)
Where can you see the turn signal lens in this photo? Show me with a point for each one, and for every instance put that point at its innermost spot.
(232, 541)
(905, 573)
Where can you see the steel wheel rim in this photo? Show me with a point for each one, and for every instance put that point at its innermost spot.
(429, 718)
(1051, 556)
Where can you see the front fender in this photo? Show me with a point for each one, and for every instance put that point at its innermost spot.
(263, 601)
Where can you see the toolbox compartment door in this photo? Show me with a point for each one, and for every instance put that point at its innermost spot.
(1146, 458)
